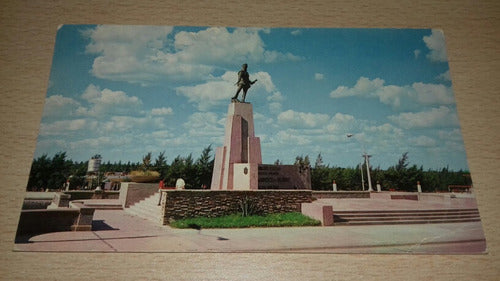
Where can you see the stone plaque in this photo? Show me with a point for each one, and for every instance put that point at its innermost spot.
(283, 177)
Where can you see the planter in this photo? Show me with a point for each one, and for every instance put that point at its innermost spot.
(144, 179)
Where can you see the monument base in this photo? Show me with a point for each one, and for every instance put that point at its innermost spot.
(236, 163)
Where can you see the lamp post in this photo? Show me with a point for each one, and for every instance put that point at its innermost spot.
(367, 163)
(362, 177)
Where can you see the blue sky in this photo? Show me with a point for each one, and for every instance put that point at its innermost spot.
(124, 91)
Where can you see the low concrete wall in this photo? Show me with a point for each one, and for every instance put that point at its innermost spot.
(323, 213)
(41, 200)
(340, 194)
(180, 204)
(91, 194)
(132, 192)
(30, 204)
(405, 197)
(53, 220)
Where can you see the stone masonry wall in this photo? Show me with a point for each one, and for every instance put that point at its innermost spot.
(180, 204)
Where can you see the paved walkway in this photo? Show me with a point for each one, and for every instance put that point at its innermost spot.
(117, 231)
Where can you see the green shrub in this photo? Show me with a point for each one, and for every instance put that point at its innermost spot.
(237, 221)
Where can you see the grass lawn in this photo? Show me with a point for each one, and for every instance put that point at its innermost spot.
(237, 221)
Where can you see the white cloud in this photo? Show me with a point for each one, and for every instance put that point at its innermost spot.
(341, 124)
(60, 106)
(107, 102)
(208, 94)
(275, 107)
(436, 117)
(416, 53)
(429, 94)
(65, 127)
(399, 97)
(162, 111)
(423, 141)
(450, 135)
(275, 100)
(204, 124)
(437, 46)
(222, 88)
(445, 76)
(319, 76)
(260, 118)
(126, 53)
(161, 134)
(131, 124)
(144, 54)
(290, 137)
(302, 119)
(363, 87)
(276, 97)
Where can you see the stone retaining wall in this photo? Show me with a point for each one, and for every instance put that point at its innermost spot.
(180, 204)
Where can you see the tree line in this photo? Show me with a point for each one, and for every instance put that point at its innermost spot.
(54, 172)
(399, 177)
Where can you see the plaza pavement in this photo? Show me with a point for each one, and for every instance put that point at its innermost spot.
(118, 231)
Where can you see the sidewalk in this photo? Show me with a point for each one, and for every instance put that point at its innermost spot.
(117, 231)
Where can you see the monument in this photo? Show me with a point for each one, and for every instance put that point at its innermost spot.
(238, 163)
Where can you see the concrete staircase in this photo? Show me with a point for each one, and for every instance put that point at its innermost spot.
(147, 209)
(405, 216)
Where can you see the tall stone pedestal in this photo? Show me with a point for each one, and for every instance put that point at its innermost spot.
(237, 162)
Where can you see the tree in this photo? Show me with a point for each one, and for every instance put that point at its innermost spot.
(204, 167)
(146, 161)
(49, 173)
(77, 177)
(40, 168)
(160, 164)
(319, 161)
(319, 175)
(402, 162)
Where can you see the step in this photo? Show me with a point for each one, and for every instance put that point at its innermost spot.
(145, 202)
(361, 219)
(407, 211)
(147, 209)
(139, 213)
(407, 222)
(406, 217)
(356, 217)
(144, 212)
(406, 214)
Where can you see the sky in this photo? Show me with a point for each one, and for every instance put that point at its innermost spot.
(124, 91)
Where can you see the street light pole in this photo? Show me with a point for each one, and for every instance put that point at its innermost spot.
(367, 161)
(362, 177)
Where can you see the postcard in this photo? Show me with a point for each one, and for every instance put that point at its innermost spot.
(242, 139)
